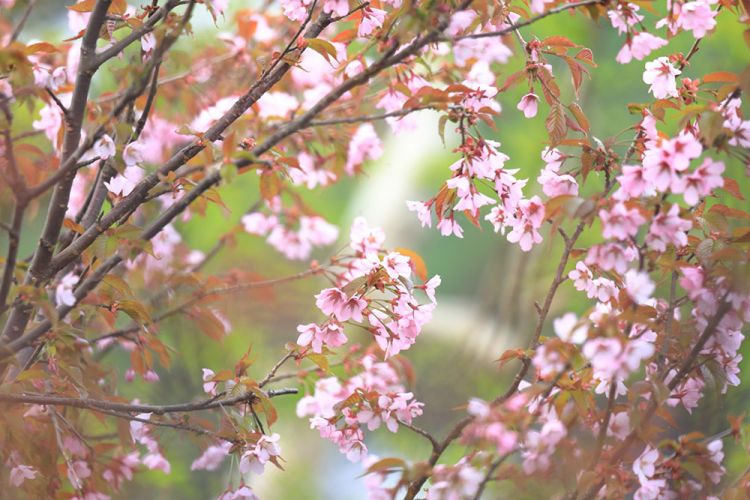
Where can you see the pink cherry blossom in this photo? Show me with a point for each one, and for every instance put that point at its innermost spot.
(548, 362)
(364, 238)
(430, 286)
(336, 7)
(333, 301)
(123, 184)
(623, 16)
(539, 445)
(619, 425)
(581, 276)
(258, 223)
(633, 183)
(568, 328)
(265, 450)
(639, 286)
(555, 184)
(133, 154)
(104, 147)
(50, 120)
(526, 224)
(460, 21)
(365, 144)
(639, 47)
(620, 222)
(528, 105)
(667, 228)
(372, 19)
(644, 466)
(209, 386)
(701, 182)
(276, 105)
(64, 291)
(696, 16)
(660, 75)
(296, 10)
(244, 492)
(21, 473)
(454, 482)
(156, 461)
(422, 210)
(148, 42)
(317, 231)
(449, 226)
(396, 264)
(308, 174)
(330, 335)
(612, 256)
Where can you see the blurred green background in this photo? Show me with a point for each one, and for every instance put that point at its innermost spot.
(485, 304)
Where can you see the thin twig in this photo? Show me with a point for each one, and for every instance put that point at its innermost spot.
(22, 21)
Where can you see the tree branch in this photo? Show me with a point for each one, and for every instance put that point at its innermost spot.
(98, 404)
(22, 310)
(513, 27)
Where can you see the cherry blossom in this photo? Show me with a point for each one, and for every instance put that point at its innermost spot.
(568, 329)
(639, 286)
(364, 144)
(265, 450)
(64, 291)
(528, 105)
(21, 473)
(639, 47)
(660, 75)
(695, 16)
(620, 222)
(123, 184)
(372, 19)
(104, 147)
(667, 228)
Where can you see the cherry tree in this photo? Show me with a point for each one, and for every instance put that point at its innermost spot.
(131, 124)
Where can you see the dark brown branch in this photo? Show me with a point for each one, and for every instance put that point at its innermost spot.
(42, 268)
(141, 124)
(269, 376)
(98, 404)
(513, 27)
(367, 118)
(429, 437)
(14, 238)
(57, 101)
(21, 312)
(138, 33)
(491, 472)
(605, 424)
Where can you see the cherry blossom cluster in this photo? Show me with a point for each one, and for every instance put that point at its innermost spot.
(696, 16)
(652, 470)
(340, 409)
(372, 289)
(291, 233)
(482, 161)
(666, 167)
(253, 460)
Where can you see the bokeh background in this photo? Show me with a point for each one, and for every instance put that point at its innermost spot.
(485, 304)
